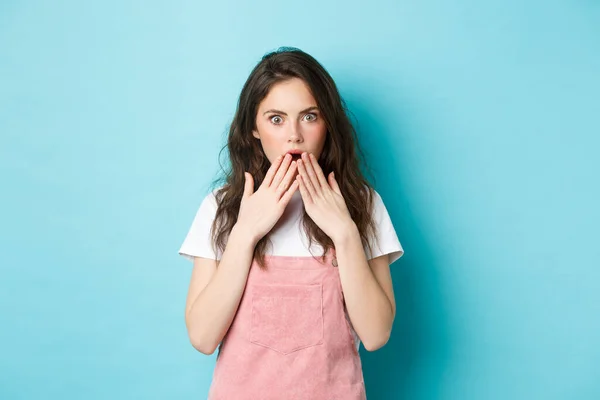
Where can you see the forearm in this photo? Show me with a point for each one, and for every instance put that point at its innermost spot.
(213, 310)
(369, 308)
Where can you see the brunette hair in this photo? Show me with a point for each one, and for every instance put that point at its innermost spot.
(341, 152)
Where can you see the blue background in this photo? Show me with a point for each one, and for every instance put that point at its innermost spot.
(480, 120)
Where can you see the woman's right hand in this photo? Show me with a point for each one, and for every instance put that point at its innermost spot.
(260, 210)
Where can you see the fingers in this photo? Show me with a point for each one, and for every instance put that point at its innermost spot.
(315, 180)
(290, 192)
(281, 171)
(307, 181)
(306, 197)
(271, 172)
(287, 179)
(316, 168)
(333, 183)
(248, 185)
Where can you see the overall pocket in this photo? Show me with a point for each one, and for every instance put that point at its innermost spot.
(287, 318)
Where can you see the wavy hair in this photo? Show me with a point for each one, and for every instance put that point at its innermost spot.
(341, 153)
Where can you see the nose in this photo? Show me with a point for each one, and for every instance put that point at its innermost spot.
(295, 134)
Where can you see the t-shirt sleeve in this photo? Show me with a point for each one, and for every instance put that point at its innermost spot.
(387, 241)
(198, 242)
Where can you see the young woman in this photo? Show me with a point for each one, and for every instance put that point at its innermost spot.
(288, 324)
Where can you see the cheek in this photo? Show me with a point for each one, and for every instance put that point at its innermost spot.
(268, 131)
(317, 132)
(271, 140)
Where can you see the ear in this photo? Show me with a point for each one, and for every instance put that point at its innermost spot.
(255, 134)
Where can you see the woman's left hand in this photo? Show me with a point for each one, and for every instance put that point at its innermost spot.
(322, 198)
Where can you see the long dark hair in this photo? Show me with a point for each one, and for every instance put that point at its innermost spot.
(341, 152)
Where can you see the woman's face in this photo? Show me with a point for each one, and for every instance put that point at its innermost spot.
(289, 119)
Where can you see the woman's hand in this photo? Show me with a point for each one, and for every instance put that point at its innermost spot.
(322, 198)
(260, 210)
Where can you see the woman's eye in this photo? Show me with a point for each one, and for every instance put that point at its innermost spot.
(312, 117)
(276, 119)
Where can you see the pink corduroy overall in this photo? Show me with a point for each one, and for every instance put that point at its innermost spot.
(290, 339)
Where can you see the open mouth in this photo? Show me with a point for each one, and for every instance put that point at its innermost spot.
(296, 157)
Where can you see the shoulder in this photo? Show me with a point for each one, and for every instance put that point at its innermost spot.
(378, 209)
(209, 202)
(385, 240)
(198, 242)
(376, 201)
(206, 212)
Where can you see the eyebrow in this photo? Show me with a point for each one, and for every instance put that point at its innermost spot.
(283, 113)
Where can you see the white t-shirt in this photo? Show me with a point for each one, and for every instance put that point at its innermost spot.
(287, 236)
